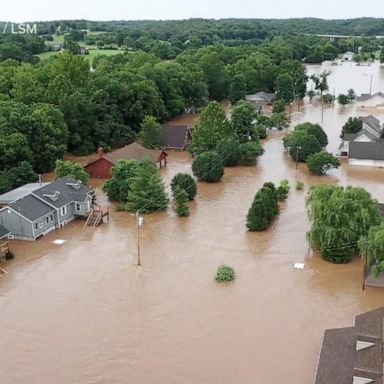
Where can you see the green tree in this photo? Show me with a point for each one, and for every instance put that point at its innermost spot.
(72, 169)
(382, 55)
(181, 198)
(150, 132)
(319, 163)
(343, 99)
(237, 89)
(21, 174)
(264, 208)
(285, 87)
(186, 182)
(339, 218)
(351, 94)
(119, 186)
(321, 82)
(229, 149)
(314, 130)
(301, 145)
(278, 106)
(243, 121)
(147, 191)
(283, 190)
(250, 152)
(212, 127)
(208, 167)
(353, 125)
(371, 248)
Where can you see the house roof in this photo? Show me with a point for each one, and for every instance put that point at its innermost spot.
(366, 151)
(175, 136)
(65, 191)
(354, 354)
(18, 193)
(134, 151)
(367, 96)
(31, 207)
(3, 232)
(351, 136)
(261, 96)
(372, 122)
(336, 359)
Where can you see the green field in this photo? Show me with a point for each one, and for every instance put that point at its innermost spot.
(92, 53)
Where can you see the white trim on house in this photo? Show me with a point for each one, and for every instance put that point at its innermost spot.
(366, 162)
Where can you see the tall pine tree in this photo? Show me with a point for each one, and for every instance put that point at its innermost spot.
(148, 191)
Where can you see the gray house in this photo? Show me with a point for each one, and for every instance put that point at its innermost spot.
(44, 209)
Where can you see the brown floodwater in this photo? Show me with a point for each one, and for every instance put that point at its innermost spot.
(84, 313)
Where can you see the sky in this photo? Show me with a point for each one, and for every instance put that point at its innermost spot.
(38, 10)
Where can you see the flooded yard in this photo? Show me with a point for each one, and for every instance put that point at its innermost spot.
(84, 313)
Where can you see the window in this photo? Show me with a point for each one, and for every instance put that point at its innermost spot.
(63, 210)
(41, 223)
(51, 217)
(78, 207)
(47, 220)
(36, 225)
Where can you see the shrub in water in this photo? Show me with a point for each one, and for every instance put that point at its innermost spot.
(299, 185)
(225, 273)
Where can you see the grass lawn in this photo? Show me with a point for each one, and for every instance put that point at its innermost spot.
(92, 53)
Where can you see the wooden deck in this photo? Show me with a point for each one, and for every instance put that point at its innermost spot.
(96, 216)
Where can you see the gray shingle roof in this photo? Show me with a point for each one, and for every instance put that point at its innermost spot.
(18, 193)
(367, 96)
(66, 194)
(342, 358)
(261, 96)
(175, 136)
(366, 151)
(3, 232)
(31, 207)
(371, 121)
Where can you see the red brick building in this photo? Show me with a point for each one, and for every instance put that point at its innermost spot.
(101, 167)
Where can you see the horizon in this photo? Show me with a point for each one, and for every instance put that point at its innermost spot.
(168, 10)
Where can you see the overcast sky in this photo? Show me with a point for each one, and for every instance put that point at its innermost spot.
(36, 10)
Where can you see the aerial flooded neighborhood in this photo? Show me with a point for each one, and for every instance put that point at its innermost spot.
(191, 198)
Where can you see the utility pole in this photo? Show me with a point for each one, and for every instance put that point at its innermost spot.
(370, 86)
(139, 223)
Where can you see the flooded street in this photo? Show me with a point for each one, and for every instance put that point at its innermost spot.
(84, 313)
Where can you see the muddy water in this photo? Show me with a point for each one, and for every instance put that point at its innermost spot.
(83, 313)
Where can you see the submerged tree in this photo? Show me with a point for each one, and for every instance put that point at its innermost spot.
(319, 163)
(150, 132)
(72, 169)
(264, 208)
(371, 249)
(186, 182)
(229, 150)
(208, 167)
(339, 218)
(181, 198)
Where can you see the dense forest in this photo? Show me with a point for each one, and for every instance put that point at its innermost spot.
(71, 103)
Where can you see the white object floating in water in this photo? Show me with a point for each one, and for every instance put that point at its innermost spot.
(298, 265)
(59, 241)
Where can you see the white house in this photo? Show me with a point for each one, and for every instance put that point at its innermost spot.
(366, 154)
(370, 101)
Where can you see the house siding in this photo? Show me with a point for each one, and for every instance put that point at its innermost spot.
(101, 168)
(17, 225)
(46, 226)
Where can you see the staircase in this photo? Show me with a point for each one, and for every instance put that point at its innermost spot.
(95, 217)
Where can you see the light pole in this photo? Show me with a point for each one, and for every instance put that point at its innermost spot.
(139, 223)
(290, 110)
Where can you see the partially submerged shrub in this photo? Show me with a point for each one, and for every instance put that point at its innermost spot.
(9, 255)
(225, 273)
(299, 185)
(283, 190)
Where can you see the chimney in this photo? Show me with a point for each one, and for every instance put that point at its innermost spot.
(100, 152)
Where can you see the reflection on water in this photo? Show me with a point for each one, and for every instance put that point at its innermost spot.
(83, 313)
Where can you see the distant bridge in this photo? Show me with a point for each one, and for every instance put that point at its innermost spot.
(338, 37)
